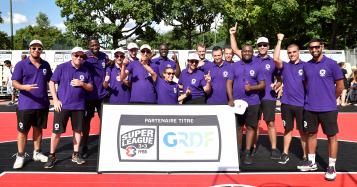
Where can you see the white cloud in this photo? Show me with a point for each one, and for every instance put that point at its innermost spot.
(162, 28)
(61, 27)
(16, 18)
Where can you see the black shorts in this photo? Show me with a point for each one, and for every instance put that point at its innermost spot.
(250, 117)
(267, 107)
(328, 122)
(196, 101)
(61, 118)
(291, 112)
(91, 105)
(31, 117)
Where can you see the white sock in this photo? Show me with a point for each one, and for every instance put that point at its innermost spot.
(311, 158)
(331, 161)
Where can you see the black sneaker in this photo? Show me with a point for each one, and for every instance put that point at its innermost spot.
(284, 159)
(247, 159)
(275, 154)
(84, 153)
(50, 162)
(254, 151)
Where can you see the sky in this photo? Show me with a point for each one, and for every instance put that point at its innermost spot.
(25, 13)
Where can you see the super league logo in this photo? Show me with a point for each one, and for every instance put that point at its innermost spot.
(137, 141)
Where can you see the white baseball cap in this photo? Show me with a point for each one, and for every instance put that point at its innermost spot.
(262, 40)
(240, 106)
(193, 56)
(132, 45)
(35, 42)
(120, 49)
(145, 46)
(77, 49)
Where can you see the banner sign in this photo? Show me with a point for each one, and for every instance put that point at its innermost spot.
(181, 138)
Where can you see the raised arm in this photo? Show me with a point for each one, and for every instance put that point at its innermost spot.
(234, 45)
(278, 62)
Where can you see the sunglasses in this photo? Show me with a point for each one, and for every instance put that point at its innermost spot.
(80, 56)
(38, 48)
(193, 61)
(262, 45)
(145, 51)
(170, 73)
(119, 56)
(315, 47)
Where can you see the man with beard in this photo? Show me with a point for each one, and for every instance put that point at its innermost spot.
(324, 83)
(30, 77)
(96, 63)
(162, 62)
(268, 95)
(219, 74)
(245, 82)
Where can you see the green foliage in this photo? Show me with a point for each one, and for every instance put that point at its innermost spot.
(5, 42)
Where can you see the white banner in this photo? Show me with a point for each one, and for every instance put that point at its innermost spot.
(168, 138)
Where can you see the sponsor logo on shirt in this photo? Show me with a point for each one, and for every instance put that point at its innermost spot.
(252, 73)
(322, 72)
(81, 77)
(267, 66)
(193, 81)
(175, 91)
(44, 71)
(103, 65)
(300, 72)
(225, 74)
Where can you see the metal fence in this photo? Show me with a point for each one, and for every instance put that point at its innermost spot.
(351, 56)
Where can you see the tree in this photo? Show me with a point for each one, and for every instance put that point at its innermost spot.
(50, 36)
(109, 19)
(189, 15)
(5, 42)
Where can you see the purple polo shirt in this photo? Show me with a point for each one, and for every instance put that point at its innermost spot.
(219, 77)
(320, 84)
(26, 73)
(72, 98)
(159, 64)
(293, 90)
(207, 66)
(167, 92)
(243, 73)
(142, 84)
(269, 71)
(120, 93)
(195, 81)
(96, 66)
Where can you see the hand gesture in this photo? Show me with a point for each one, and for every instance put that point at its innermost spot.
(188, 91)
(126, 61)
(107, 77)
(58, 105)
(29, 87)
(174, 57)
(233, 30)
(208, 77)
(280, 36)
(247, 87)
(76, 83)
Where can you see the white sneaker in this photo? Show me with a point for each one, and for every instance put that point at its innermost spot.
(38, 156)
(19, 162)
(307, 166)
(330, 174)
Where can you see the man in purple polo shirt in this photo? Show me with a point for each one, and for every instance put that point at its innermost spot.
(292, 100)
(133, 51)
(73, 82)
(142, 78)
(162, 62)
(268, 95)
(119, 89)
(228, 55)
(245, 82)
(204, 64)
(31, 76)
(195, 80)
(219, 74)
(96, 63)
(324, 83)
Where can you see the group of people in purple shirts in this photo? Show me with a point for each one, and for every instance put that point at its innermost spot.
(80, 86)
